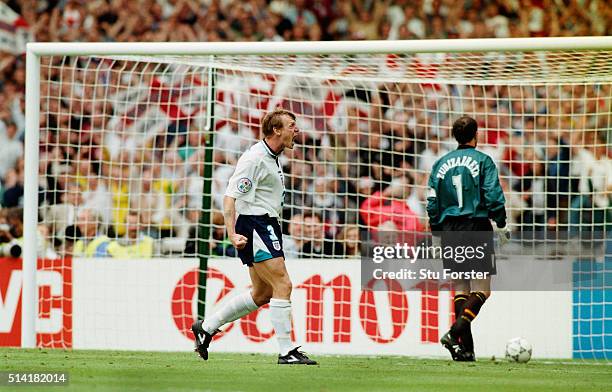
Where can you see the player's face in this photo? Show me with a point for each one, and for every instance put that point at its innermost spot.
(289, 132)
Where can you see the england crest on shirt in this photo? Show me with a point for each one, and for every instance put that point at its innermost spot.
(276, 245)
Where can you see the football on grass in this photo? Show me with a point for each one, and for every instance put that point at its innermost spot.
(518, 350)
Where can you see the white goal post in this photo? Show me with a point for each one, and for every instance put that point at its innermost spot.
(209, 51)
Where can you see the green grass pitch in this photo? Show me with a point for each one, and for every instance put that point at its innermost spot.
(155, 371)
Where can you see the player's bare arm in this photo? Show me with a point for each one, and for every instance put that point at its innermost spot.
(229, 215)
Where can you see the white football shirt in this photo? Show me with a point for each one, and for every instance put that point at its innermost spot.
(258, 184)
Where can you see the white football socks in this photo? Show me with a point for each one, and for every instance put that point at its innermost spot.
(235, 308)
(280, 315)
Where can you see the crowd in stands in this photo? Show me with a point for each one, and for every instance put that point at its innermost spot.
(106, 193)
(255, 20)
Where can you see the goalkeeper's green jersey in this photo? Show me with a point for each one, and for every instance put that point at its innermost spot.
(464, 182)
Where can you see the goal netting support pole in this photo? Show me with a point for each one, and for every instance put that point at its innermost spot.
(204, 226)
(30, 211)
(129, 148)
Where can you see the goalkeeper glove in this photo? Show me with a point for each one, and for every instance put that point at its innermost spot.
(503, 234)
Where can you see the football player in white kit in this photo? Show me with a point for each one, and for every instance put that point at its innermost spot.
(251, 208)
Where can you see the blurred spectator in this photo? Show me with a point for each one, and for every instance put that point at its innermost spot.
(97, 197)
(496, 21)
(45, 246)
(12, 195)
(325, 198)
(11, 232)
(221, 176)
(533, 184)
(194, 141)
(294, 240)
(339, 27)
(592, 209)
(315, 243)
(390, 205)
(92, 242)
(13, 218)
(349, 241)
(151, 200)
(413, 21)
(220, 244)
(66, 242)
(11, 149)
(135, 244)
(119, 185)
(515, 203)
(232, 139)
(299, 182)
(58, 216)
(365, 18)
(416, 200)
(435, 149)
(296, 11)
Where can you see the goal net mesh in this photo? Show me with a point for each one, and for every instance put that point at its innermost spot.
(124, 171)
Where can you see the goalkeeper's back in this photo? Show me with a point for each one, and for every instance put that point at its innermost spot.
(465, 182)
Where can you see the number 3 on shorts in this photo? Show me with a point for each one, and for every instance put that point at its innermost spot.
(273, 236)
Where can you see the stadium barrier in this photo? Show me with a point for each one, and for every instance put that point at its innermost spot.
(149, 305)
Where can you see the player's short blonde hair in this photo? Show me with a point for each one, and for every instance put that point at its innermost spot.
(274, 119)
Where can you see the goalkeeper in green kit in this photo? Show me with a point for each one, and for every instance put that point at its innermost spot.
(464, 195)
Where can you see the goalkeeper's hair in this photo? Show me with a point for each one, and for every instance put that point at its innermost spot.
(274, 119)
(464, 129)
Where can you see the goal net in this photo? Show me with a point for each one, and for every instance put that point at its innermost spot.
(135, 153)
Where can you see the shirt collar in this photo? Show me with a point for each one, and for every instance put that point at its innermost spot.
(464, 146)
(269, 150)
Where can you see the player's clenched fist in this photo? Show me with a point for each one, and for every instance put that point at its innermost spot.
(239, 241)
